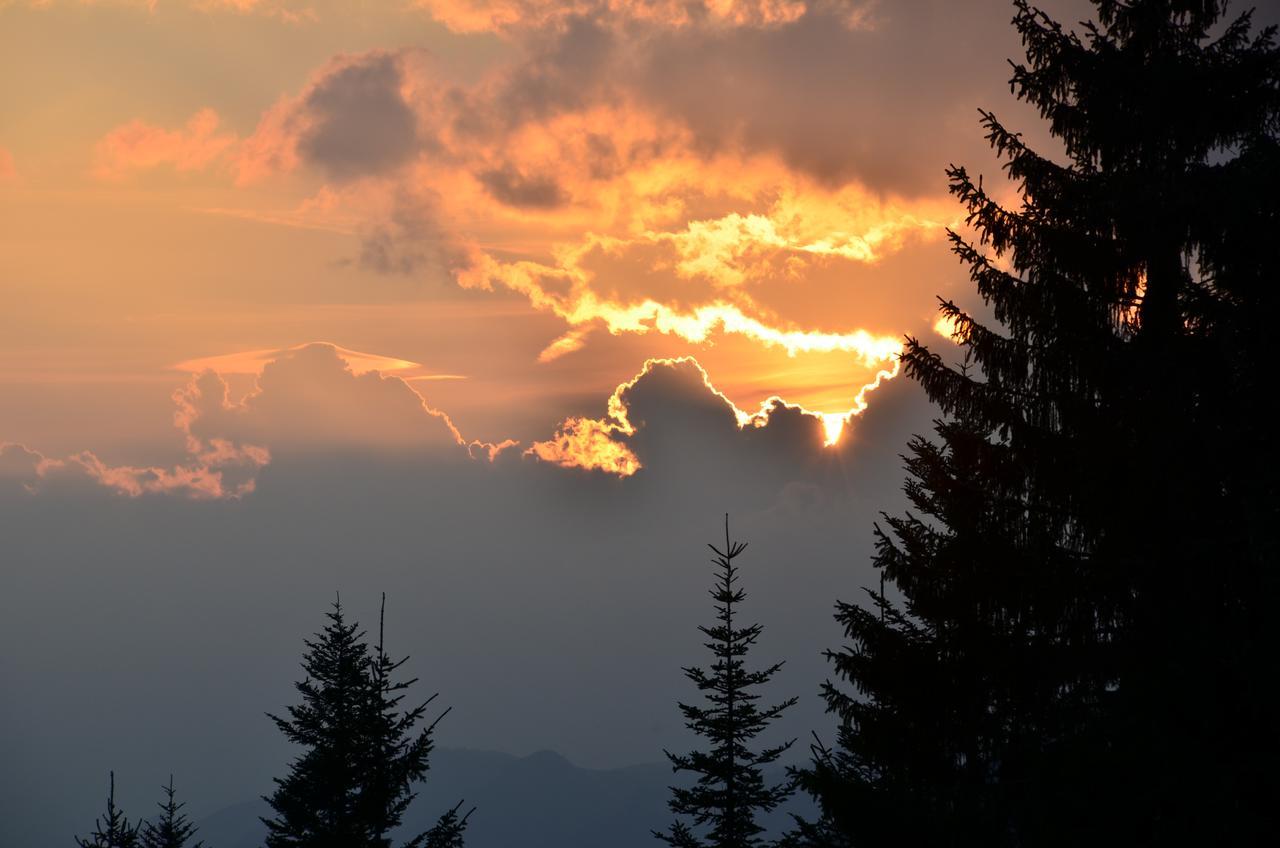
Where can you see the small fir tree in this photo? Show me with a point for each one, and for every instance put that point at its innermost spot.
(172, 829)
(113, 830)
(730, 790)
(318, 804)
(354, 780)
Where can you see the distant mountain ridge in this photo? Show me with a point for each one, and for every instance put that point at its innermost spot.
(538, 801)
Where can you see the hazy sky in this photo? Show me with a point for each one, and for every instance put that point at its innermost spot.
(496, 307)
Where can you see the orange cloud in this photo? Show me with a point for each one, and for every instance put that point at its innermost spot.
(589, 444)
(138, 146)
(203, 479)
(695, 325)
(8, 171)
(573, 340)
(215, 471)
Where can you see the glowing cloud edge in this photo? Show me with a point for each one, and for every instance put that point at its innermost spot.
(592, 443)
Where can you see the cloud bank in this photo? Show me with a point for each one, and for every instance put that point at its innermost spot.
(318, 399)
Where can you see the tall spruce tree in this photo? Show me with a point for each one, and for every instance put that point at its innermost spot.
(353, 782)
(1074, 646)
(730, 790)
(172, 829)
(113, 830)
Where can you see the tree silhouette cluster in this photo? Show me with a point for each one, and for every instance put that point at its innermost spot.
(361, 756)
(171, 829)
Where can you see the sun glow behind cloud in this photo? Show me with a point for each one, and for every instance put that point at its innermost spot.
(599, 444)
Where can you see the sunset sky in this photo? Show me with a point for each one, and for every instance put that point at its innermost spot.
(497, 307)
(511, 206)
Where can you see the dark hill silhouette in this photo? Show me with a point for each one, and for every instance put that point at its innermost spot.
(538, 801)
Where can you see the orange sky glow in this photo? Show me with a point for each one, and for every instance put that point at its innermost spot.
(507, 206)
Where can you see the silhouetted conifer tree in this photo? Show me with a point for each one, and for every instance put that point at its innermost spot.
(730, 790)
(352, 783)
(317, 804)
(171, 829)
(397, 754)
(114, 830)
(1077, 648)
